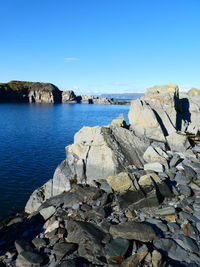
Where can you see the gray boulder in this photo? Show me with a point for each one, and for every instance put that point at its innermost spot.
(133, 231)
(161, 112)
(155, 115)
(178, 142)
(69, 97)
(97, 153)
(89, 238)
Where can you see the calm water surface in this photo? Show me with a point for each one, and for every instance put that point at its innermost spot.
(32, 142)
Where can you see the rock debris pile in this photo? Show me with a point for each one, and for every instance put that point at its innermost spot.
(124, 196)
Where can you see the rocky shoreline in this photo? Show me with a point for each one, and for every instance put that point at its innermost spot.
(37, 92)
(126, 195)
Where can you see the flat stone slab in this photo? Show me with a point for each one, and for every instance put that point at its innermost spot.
(154, 166)
(32, 257)
(133, 231)
(117, 247)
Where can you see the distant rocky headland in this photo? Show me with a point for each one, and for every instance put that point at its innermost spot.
(126, 195)
(37, 92)
(123, 95)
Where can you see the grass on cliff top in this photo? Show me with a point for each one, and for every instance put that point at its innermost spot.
(24, 85)
(15, 85)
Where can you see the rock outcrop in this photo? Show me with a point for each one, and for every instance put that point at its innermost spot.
(85, 99)
(161, 113)
(194, 92)
(156, 114)
(18, 91)
(69, 97)
(118, 150)
(36, 92)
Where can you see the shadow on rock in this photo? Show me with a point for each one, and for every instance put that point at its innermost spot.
(28, 230)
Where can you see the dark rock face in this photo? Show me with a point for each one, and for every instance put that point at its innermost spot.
(133, 231)
(18, 91)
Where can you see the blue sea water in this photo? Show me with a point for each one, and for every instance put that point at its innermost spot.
(32, 143)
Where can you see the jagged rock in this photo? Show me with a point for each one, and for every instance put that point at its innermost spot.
(189, 172)
(95, 100)
(185, 190)
(171, 249)
(121, 182)
(151, 155)
(105, 186)
(119, 121)
(142, 252)
(144, 122)
(156, 114)
(139, 199)
(187, 243)
(61, 179)
(161, 112)
(175, 160)
(163, 227)
(89, 238)
(178, 142)
(133, 231)
(156, 258)
(51, 226)
(39, 242)
(39, 196)
(61, 249)
(30, 258)
(97, 213)
(116, 248)
(192, 128)
(182, 179)
(111, 144)
(173, 227)
(148, 179)
(97, 153)
(69, 97)
(47, 212)
(132, 261)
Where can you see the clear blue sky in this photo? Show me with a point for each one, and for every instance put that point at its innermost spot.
(95, 46)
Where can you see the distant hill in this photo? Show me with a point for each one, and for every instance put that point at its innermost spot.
(123, 96)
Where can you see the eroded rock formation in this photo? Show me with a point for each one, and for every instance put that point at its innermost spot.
(162, 112)
(18, 91)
